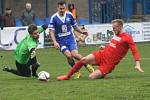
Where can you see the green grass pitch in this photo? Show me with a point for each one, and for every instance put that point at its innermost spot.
(124, 83)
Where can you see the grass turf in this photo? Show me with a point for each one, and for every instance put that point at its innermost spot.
(124, 83)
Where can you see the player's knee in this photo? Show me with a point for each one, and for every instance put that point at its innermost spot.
(91, 77)
(69, 56)
(84, 60)
(95, 75)
(77, 56)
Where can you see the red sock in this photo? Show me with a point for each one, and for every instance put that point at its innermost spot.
(75, 68)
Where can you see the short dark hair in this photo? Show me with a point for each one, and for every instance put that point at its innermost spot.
(32, 28)
(61, 2)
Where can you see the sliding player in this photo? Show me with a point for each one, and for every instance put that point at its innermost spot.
(110, 55)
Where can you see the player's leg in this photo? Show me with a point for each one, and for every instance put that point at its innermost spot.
(96, 74)
(90, 59)
(66, 52)
(74, 51)
(69, 57)
(22, 70)
(71, 62)
(102, 71)
(34, 66)
(78, 56)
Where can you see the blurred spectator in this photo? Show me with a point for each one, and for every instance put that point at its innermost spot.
(28, 15)
(8, 18)
(71, 8)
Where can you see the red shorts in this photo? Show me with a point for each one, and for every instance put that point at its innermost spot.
(104, 66)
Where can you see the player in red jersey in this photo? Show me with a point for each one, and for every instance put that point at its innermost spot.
(110, 55)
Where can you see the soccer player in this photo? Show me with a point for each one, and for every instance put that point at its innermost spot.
(25, 53)
(62, 35)
(110, 55)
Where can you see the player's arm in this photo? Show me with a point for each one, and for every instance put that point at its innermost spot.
(52, 36)
(32, 46)
(135, 54)
(42, 28)
(76, 27)
(52, 33)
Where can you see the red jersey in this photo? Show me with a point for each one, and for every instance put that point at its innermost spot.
(118, 48)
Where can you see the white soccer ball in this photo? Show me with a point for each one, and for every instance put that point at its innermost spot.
(43, 76)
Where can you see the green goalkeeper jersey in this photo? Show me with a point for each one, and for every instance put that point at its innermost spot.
(22, 52)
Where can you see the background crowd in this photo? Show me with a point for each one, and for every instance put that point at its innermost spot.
(28, 16)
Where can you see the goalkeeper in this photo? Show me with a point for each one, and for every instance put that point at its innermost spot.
(25, 53)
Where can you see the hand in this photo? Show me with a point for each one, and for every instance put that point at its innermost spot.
(44, 26)
(56, 45)
(85, 33)
(138, 68)
(33, 54)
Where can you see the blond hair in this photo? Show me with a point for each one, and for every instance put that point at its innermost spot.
(119, 21)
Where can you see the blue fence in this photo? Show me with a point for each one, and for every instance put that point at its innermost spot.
(103, 11)
(146, 6)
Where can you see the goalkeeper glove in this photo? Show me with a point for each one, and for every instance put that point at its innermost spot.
(33, 54)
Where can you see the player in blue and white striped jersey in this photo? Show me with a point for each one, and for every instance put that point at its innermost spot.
(61, 28)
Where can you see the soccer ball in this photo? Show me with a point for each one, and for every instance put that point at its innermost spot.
(43, 76)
